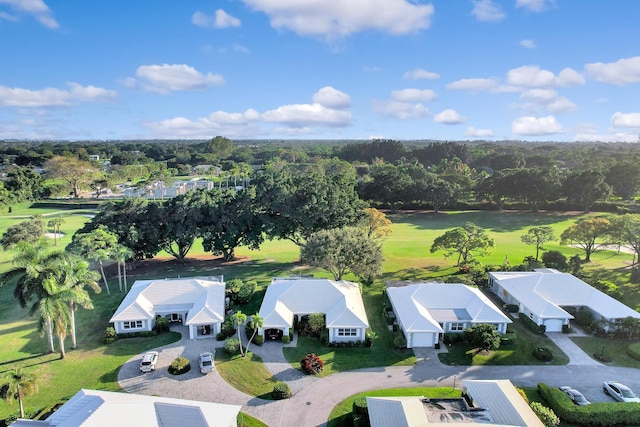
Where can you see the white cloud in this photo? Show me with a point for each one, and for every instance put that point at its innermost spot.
(449, 117)
(177, 77)
(7, 17)
(536, 126)
(620, 73)
(400, 110)
(629, 120)
(332, 98)
(548, 99)
(221, 19)
(534, 76)
(420, 74)
(487, 11)
(528, 43)
(478, 133)
(612, 137)
(535, 5)
(53, 97)
(340, 18)
(414, 95)
(303, 115)
(474, 85)
(37, 8)
(217, 123)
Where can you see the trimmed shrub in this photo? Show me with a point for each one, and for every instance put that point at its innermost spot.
(286, 339)
(227, 329)
(110, 335)
(246, 291)
(523, 394)
(399, 341)
(513, 308)
(232, 346)
(281, 391)
(533, 326)
(180, 365)
(311, 364)
(566, 329)
(162, 325)
(360, 412)
(634, 350)
(546, 415)
(452, 338)
(542, 353)
(141, 334)
(584, 318)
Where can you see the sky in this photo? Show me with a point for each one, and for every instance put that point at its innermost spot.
(531, 70)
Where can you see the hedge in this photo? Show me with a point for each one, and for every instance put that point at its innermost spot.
(533, 326)
(634, 350)
(597, 414)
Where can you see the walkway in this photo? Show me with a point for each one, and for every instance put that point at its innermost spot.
(571, 349)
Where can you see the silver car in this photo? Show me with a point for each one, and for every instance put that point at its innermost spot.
(619, 391)
(148, 362)
(205, 360)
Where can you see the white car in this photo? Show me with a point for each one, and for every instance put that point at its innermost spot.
(148, 362)
(205, 360)
(575, 396)
(619, 391)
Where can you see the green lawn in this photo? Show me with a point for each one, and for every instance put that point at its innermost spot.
(246, 374)
(615, 349)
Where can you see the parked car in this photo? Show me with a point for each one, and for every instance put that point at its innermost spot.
(575, 396)
(148, 362)
(619, 391)
(205, 360)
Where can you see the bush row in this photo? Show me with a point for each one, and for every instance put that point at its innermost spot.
(634, 350)
(597, 414)
(533, 326)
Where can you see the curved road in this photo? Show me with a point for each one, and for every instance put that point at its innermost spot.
(314, 398)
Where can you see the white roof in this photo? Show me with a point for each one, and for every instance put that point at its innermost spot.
(202, 297)
(396, 411)
(94, 408)
(503, 402)
(422, 306)
(545, 291)
(340, 301)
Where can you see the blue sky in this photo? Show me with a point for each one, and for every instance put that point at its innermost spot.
(535, 70)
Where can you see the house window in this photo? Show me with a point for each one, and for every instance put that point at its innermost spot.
(456, 327)
(134, 324)
(347, 332)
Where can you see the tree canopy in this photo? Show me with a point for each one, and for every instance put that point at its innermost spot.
(585, 235)
(465, 241)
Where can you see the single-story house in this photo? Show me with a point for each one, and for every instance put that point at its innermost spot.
(547, 297)
(424, 311)
(108, 408)
(494, 402)
(198, 302)
(340, 302)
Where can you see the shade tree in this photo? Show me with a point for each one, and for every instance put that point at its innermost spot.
(466, 242)
(29, 231)
(538, 236)
(78, 174)
(583, 189)
(588, 235)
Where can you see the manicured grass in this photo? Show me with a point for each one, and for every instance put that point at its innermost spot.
(615, 349)
(245, 420)
(518, 354)
(246, 374)
(341, 414)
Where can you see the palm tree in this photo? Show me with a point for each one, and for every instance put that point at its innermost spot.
(54, 311)
(255, 322)
(55, 223)
(239, 319)
(17, 386)
(121, 254)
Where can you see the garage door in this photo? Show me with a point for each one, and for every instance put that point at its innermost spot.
(553, 325)
(422, 339)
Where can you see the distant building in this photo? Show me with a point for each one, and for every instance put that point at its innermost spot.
(94, 157)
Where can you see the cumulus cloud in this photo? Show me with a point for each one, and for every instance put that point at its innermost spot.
(535, 5)
(53, 97)
(400, 110)
(332, 98)
(37, 8)
(303, 115)
(449, 117)
(536, 126)
(166, 78)
(528, 43)
(620, 73)
(217, 123)
(474, 85)
(340, 18)
(420, 74)
(478, 133)
(547, 98)
(534, 76)
(628, 120)
(487, 11)
(414, 95)
(221, 19)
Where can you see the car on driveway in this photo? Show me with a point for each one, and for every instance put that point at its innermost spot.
(575, 396)
(205, 360)
(148, 362)
(619, 391)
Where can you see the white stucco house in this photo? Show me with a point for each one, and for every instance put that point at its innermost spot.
(108, 408)
(547, 297)
(197, 302)
(495, 403)
(424, 311)
(340, 302)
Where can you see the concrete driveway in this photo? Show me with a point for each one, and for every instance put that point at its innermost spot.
(314, 398)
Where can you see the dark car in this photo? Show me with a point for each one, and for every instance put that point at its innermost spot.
(575, 396)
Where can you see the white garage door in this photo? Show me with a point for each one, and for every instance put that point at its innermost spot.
(553, 325)
(422, 339)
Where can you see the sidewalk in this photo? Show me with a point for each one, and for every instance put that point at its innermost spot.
(576, 355)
